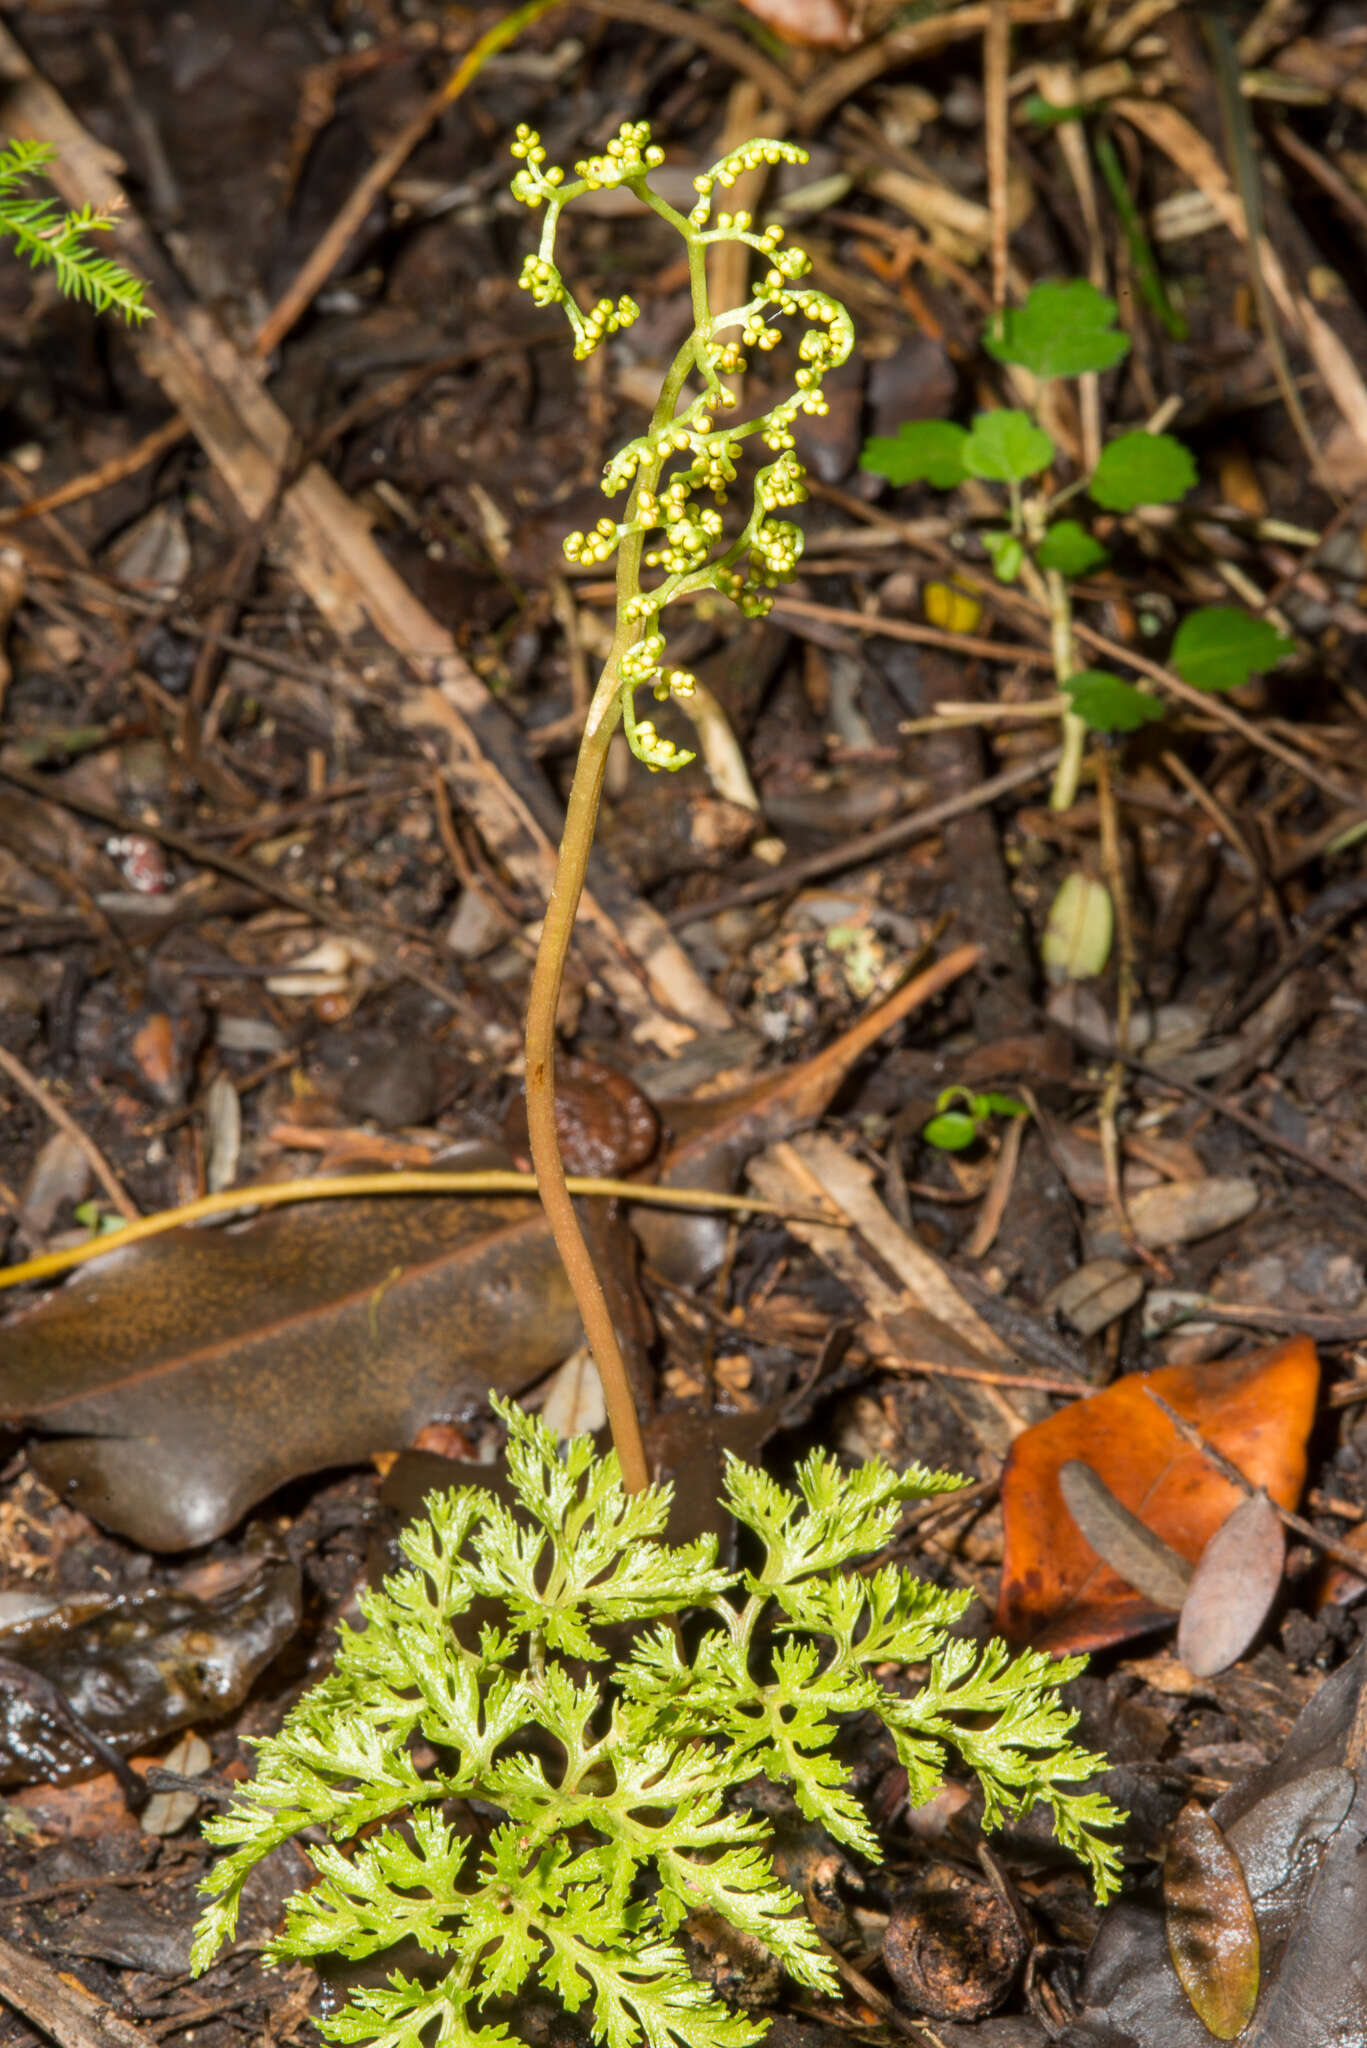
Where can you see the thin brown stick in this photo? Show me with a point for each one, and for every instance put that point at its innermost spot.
(902, 629)
(93, 481)
(1005, 599)
(38, 1092)
(691, 25)
(331, 245)
(1227, 1469)
(996, 57)
(869, 845)
(1271, 1140)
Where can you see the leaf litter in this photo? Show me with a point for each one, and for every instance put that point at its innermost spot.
(771, 1327)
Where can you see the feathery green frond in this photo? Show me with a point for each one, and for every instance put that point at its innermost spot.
(614, 1779)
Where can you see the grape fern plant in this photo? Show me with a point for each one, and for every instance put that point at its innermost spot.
(45, 234)
(530, 1810)
(671, 544)
(1068, 330)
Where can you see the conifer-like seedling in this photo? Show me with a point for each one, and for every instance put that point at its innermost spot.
(46, 236)
(542, 1801)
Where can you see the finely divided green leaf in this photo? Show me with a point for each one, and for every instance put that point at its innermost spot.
(921, 451)
(1062, 330)
(615, 1787)
(1109, 705)
(1219, 647)
(1142, 469)
(1006, 447)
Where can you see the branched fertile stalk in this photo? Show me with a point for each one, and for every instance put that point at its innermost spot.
(684, 456)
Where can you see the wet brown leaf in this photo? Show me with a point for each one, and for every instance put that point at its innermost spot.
(1232, 1588)
(1212, 1934)
(181, 1380)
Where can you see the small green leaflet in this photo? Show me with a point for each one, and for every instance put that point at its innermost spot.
(1219, 647)
(1042, 113)
(955, 1131)
(921, 451)
(1005, 553)
(1006, 447)
(1062, 330)
(1109, 705)
(1142, 469)
(1070, 549)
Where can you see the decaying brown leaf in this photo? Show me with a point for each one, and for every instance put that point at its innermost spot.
(1212, 1933)
(1120, 1539)
(180, 1380)
(1232, 1588)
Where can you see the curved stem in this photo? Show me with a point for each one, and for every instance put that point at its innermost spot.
(570, 868)
(581, 816)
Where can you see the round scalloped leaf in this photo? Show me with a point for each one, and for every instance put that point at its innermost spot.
(1069, 548)
(1220, 646)
(921, 451)
(1142, 469)
(1107, 704)
(1006, 447)
(1062, 330)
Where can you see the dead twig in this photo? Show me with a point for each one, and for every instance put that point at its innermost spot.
(869, 845)
(37, 1091)
(1256, 1128)
(331, 245)
(93, 481)
(1329, 1545)
(61, 2007)
(250, 873)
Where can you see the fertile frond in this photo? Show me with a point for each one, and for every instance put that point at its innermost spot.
(612, 1785)
(691, 450)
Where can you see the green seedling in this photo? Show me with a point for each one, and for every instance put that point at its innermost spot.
(546, 1798)
(44, 234)
(1069, 330)
(961, 1117)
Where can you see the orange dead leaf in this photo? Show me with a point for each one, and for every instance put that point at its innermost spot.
(1055, 1592)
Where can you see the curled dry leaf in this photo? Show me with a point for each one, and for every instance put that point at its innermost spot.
(1232, 1588)
(1297, 1828)
(1212, 1933)
(1056, 1592)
